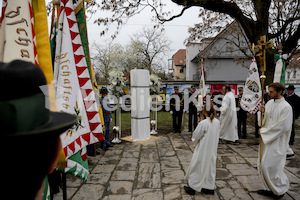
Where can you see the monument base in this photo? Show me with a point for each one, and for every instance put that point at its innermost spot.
(129, 138)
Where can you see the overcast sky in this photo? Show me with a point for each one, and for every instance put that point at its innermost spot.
(176, 30)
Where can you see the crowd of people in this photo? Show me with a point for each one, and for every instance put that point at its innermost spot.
(276, 132)
(27, 124)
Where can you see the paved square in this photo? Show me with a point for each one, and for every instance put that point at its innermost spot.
(156, 170)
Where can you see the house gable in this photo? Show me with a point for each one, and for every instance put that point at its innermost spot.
(229, 43)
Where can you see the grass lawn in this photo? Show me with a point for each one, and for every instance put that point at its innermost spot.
(164, 123)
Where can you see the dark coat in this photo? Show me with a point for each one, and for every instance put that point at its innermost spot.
(173, 102)
(192, 106)
(294, 101)
(106, 113)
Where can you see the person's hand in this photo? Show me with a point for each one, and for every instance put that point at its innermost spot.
(262, 109)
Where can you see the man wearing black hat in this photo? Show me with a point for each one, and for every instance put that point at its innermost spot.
(294, 101)
(193, 118)
(177, 112)
(29, 131)
(107, 117)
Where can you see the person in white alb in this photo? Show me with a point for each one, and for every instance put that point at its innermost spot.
(228, 118)
(275, 134)
(201, 173)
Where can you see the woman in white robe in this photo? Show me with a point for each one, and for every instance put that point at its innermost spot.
(275, 134)
(201, 173)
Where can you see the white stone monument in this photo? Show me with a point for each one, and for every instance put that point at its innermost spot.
(140, 105)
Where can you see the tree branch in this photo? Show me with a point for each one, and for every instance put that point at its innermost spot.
(283, 28)
(291, 42)
(171, 18)
(229, 8)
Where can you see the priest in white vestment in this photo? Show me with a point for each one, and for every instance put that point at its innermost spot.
(201, 173)
(275, 134)
(228, 118)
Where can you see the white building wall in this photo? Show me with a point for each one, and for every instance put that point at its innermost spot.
(225, 70)
(292, 75)
(192, 49)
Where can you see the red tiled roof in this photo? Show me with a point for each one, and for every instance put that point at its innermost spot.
(179, 57)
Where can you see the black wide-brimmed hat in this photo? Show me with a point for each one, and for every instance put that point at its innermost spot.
(22, 103)
(103, 90)
(291, 87)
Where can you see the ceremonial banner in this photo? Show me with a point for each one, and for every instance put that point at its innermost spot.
(75, 93)
(53, 35)
(78, 165)
(251, 99)
(202, 81)
(279, 74)
(81, 20)
(17, 32)
(201, 87)
(3, 6)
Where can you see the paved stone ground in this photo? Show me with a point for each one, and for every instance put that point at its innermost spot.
(156, 170)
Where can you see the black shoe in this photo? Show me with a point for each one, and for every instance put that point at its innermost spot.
(207, 191)
(265, 193)
(91, 154)
(277, 196)
(97, 152)
(104, 148)
(236, 142)
(269, 194)
(174, 131)
(189, 190)
(110, 145)
(290, 156)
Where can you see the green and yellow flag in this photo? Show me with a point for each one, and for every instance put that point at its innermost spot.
(81, 20)
(279, 74)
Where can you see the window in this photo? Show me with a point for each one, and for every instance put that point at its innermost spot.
(288, 75)
(181, 70)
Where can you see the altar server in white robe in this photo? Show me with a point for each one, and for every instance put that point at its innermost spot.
(201, 173)
(275, 135)
(228, 116)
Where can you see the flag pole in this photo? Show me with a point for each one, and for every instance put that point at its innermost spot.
(262, 79)
(261, 47)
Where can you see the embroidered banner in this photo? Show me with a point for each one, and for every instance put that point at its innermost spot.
(251, 99)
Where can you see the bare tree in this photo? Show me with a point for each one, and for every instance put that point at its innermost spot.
(146, 50)
(151, 45)
(106, 57)
(277, 19)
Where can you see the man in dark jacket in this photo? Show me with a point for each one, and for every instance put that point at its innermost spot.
(177, 113)
(241, 115)
(107, 117)
(193, 118)
(294, 101)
